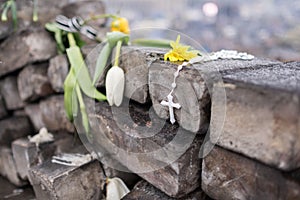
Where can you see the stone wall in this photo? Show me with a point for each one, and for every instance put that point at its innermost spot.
(256, 155)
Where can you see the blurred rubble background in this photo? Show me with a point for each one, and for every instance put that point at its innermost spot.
(265, 28)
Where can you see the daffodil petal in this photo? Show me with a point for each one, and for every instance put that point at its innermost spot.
(179, 52)
(173, 44)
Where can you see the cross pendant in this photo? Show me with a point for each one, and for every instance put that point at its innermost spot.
(171, 106)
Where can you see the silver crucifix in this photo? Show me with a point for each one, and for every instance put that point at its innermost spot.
(171, 106)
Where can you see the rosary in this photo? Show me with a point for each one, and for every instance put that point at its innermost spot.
(223, 54)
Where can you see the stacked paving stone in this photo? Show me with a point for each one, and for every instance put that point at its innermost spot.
(254, 126)
(256, 151)
(31, 97)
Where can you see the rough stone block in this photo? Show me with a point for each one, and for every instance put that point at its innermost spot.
(136, 61)
(25, 10)
(27, 155)
(53, 181)
(228, 175)
(6, 28)
(262, 115)
(53, 114)
(57, 72)
(162, 154)
(145, 191)
(10, 93)
(193, 88)
(3, 111)
(25, 47)
(19, 113)
(12, 192)
(85, 9)
(8, 167)
(33, 82)
(33, 111)
(13, 128)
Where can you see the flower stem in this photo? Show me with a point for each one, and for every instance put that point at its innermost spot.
(159, 43)
(95, 17)
(5, 7)
(71, 40)
(84, 116)
(14, 13)
(118, 51)
(35, 11)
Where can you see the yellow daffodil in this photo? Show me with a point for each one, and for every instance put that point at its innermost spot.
(120, 24)
(180, 52)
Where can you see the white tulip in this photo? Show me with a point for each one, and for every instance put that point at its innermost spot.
(115, 83)
(116, 189)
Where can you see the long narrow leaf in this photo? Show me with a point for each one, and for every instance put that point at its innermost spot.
(70, 100)
(57, 35)
(14, 13)
(84, 116)
(59, 41)
(82, 75)
(152, 43)
(101, 62)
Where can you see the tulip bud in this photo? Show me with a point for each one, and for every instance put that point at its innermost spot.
(115, 83)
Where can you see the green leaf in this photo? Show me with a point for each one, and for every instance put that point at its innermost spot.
(51, 27)
(70, 100)
(59, 42)
(84, 116)
(58, 35)
(152, 43)
(35, 11)
(115, 36)
(101, 62)
(14, 13)
(81, 72)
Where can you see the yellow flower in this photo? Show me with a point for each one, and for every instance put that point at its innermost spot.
(180, 52)
(120, 24)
